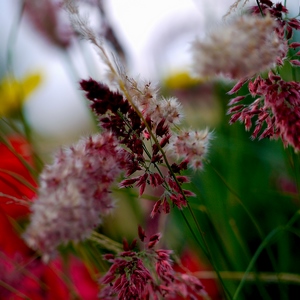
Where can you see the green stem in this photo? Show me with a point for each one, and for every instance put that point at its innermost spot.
(7, 143)
(26, 127)
(238, 199)
(251, 276)
(91, 257)
(255, 223)
(19, 178)
(258, 4)
(12, 38)
(261, 247)
(295, 165)
(13, 290)
(194, 235)
(208, 252)
(74, 79)
(106, 242)
(255, 275)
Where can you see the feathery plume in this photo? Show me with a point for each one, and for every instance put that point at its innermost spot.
(190, 145)
(246, 46)
(74, 193)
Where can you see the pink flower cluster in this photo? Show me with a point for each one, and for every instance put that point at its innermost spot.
(147, 120)
(146, 274)
(276, 105)
(48, 18)
(74, 193)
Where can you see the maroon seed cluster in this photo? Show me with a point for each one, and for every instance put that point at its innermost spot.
(132, 129)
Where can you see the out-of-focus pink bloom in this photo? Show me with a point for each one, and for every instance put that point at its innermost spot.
(241, 48)
(50, 20)
(74, 193)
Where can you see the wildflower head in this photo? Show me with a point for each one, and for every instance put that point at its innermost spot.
(241, 48)
(275, 108)
(145, 97)
(191, 145)
(164, 109)
(147, 274)
(74, 193)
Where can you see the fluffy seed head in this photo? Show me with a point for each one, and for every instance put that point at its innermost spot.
(145, 97)
(164, 109)
(74, 193)
(241, 48)
(191, 145)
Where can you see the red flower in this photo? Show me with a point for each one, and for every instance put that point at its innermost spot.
(21, 274)
(38, 281)
(87, 288)
(24, 275)
(191, 263)
(10, 242)
(11, 168)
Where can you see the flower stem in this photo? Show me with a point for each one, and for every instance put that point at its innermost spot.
(258, 4)
(261, 247)
(255, 223)
(12, 38)
(106, 242)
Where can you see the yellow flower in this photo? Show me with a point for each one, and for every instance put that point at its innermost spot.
(13, 93)
(181, 80)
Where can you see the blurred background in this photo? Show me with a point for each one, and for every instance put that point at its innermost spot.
(154, 35)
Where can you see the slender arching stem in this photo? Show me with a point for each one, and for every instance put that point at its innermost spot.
(261, 11)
